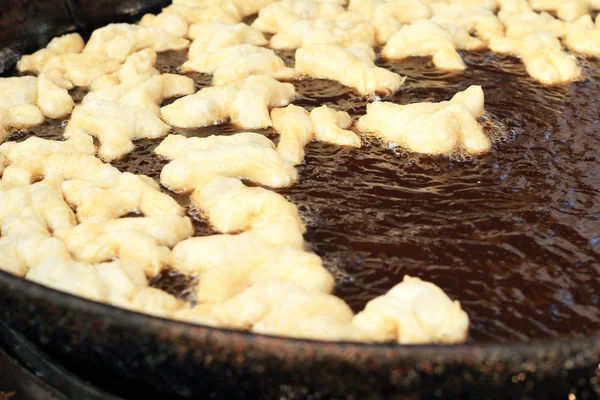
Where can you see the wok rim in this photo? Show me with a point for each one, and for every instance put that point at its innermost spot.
(421, 352)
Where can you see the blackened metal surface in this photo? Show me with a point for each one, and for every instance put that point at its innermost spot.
(26, 25)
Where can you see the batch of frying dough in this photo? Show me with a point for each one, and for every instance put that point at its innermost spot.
(65, 215)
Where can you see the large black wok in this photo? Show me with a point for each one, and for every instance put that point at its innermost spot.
(106, 344)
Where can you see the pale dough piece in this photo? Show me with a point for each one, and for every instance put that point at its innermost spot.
(233, 207)
(144, 240)
(246, 102)
(209, 38)
(203, 253)
(350, 67)
(148, 94)
(22, 116)
(583, 37)
(567, 10)
(118, 41)
(428, 38)
(479, 19)
(115, 125)
(69, 43)
(283, 309)
(243, 8)
(28, 216)
(16, 91)
(247, 161)
(331, 126)
(54, 99)
(176, 146)
(42, 201)
(238, 62)
(209, 106)
(173, 23)
(388, 16)
(204, 14)
(79, 69)
(58, 165)
(25, 243)
(256, 95)
(98, 201)
(281, 14)
(515, 6)
(18, 98)
(295, 130)
(242, 270)
(431, 128)
(519, 25)
(341, 31)
(106, 282)
(414, 312)
(152, 301)
(35, 146)
(543, 56)
(137, 68)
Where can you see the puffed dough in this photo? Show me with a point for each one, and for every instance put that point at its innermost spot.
(583, 37)
(284, 309)
(144, 240)
(232, 207)
(239, 62)
(414, 312)
(118, 41)
(35, 146)
(176, 146)
(519, 25)
(243, 8)
(148, 94)
(69, 43)
(137, 68)
(28, 216)
(567, 10)
(203, 253)
(54, 99)
(349, 66)
(98, 201)
(479, 19)
(331, 126)
(388, 16)
(152, 301)
(543, 56)
(295, 130)
(113, 282)
(204, 14)
(209, 38)
(279, 15)
(209, 106)
(22, 116)
(79, 69)
(431, 128)
(116, 126)
(16, 91)
(340, 31)
(42, 201)
(245, 102)
(247, 161)
(173, 23)
(18, 109)
(63, 166)
(515, 6)
(242, 270)
(428, 38)
(25, 243)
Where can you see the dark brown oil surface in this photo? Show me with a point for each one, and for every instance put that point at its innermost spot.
(514, 234)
